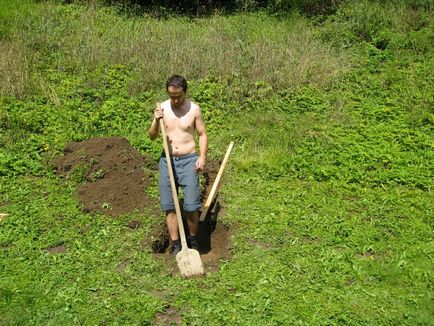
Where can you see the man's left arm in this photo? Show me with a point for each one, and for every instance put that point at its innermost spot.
(203, 140)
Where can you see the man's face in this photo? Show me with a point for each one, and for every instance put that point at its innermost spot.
(177, 96)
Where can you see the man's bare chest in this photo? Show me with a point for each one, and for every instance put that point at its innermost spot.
(179, 121)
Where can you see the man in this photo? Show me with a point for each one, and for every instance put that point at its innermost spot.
(181, 118)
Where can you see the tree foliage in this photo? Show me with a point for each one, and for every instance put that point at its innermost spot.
(196, 7)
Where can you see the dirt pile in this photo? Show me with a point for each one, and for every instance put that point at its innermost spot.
(114, 174)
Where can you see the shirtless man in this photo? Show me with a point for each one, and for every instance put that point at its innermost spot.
(181, 118)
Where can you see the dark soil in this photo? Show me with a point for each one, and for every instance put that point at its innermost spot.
(114, 174)
(114, 177)
(170, 316)
(56, 250)
(219, 247)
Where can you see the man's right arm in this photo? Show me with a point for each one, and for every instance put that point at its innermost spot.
(153, 130)
(155, 126)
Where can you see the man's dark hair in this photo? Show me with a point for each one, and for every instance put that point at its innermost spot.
(176, 81)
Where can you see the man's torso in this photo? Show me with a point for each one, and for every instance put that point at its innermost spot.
(180, 126)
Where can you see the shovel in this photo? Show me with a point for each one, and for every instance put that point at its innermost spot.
(215, 185)
(188, 260)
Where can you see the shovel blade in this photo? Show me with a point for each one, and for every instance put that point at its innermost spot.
(189, 262)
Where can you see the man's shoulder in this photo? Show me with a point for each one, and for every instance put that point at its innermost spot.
(165, 104)
(194, 106)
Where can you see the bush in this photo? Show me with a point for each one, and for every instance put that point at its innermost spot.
(194, 7)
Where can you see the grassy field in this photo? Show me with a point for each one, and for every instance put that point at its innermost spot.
(328, 193)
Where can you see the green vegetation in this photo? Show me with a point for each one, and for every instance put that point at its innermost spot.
(329, 187)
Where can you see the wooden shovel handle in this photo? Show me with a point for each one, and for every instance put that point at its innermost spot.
(172, 183)
(216, 183)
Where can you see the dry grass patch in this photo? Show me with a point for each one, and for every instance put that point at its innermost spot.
(251, 47)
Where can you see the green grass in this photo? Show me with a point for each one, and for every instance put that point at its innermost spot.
(328, 192)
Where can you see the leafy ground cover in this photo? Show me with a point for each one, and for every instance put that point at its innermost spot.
(328, 193)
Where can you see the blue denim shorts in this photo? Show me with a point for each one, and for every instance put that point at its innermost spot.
(185, 176)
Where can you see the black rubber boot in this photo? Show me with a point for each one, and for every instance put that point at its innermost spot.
(176, 247)
(194, 243)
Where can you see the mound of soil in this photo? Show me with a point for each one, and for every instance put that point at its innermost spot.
(114, 174)
(114, 182)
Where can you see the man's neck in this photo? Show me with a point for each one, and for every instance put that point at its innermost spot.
(180, 107)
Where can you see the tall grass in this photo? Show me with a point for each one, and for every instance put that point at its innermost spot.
(14, 68)
(249, 47)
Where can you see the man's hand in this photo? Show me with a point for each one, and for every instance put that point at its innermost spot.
(153, 130)
(158, 113)
(200, 163)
